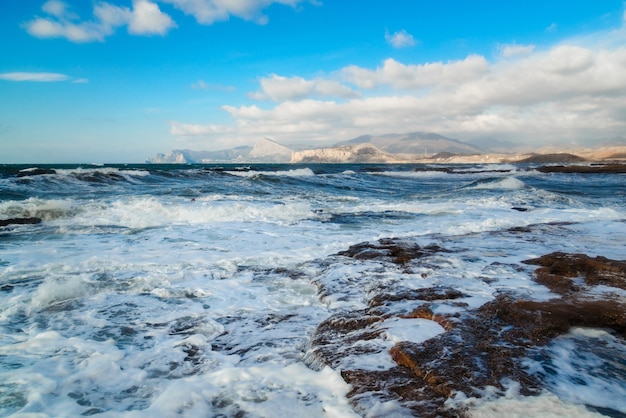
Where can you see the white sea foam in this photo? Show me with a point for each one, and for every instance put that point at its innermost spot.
(102, 170)
(507, 183)
(415, 330)
(46, 209)
(579, 368)
(298, 172)
(52, 291)
(545, 406)
(151, 212)
(135, 300)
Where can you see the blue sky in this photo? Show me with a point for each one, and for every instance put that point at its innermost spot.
(120, 80)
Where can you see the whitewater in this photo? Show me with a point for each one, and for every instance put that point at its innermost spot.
(197, 290)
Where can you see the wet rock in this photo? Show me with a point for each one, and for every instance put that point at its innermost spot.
(584, 169)
(561, 157)
(20, 221)
(483, 347)
(390, 249)
(35, 172)
(558, 269)
(427, 294)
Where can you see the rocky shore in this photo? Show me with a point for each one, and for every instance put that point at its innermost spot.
(475, 349)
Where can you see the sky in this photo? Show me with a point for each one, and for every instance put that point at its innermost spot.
(117, 81)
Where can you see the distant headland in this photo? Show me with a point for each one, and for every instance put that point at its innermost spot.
(415, 147)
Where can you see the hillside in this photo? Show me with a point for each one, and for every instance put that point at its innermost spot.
(416, 143)
(416, 147)
(359, 153)
(264, 150)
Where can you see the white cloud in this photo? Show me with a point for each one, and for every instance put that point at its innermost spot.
(145, 18)
(513, 50)
(208, 12)
(402, 76)
(58, 9)
(401, 39)
(40, 77)
(569, 92)
(278, 88)
(552, 27)
(148, 19)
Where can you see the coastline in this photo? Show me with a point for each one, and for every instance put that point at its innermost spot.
(612, 154)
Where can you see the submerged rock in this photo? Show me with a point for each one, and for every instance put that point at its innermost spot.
(19, 221)
(36, 172)
(584, 169)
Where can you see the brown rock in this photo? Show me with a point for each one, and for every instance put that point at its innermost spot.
(480, 348)
(558, 269)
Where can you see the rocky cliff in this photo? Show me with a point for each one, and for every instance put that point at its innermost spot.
(361, 153)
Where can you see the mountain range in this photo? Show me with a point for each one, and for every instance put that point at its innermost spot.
(367, 148)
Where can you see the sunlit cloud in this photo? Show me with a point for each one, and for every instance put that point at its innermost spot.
(573, 91)
(145, 18)
(401, 39)
(278, 88)
(414, 76)
(148, 19)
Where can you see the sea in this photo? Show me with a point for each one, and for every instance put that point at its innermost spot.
(196, 290)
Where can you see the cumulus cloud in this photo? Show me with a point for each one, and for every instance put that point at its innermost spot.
(570, 92)
(145, 18)
(415, 76)
(148, 19)
(401, 39)
(278, 88)
(39, 77)
(207, 12)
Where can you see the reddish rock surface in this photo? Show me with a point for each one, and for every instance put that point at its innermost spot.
(481, 347)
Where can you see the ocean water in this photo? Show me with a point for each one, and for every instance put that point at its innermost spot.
(193, 291)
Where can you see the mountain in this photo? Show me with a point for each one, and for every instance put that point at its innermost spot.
(417, 143)
(264, 151)
(192, 157)
(358, 153)
(367, 148)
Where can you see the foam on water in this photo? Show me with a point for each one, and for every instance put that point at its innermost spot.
(507, 183)
(582, 366)
(545, 406)
(298, 172)
(46, 209)
(194, 293)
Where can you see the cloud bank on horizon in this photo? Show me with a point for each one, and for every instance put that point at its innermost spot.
(568, 89)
